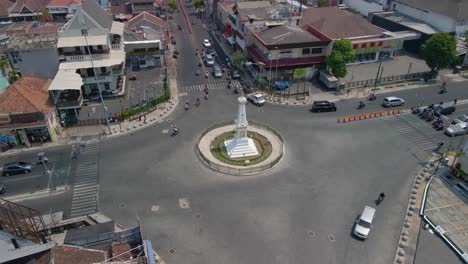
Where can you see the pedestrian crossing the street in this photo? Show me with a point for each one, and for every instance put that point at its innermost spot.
(211, 86)
(85, 189)
(402, 126)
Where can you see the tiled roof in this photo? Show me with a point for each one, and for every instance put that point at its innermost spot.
(26, 95)
(336, 23)
(145, 16)
(47, 29)
(63, 2)
(32, 5)
(285, 62)
(226, 5)
(4, 6)
(142, 1)
(285, 35)
(96, 12)
(252, 4)
(77, 255)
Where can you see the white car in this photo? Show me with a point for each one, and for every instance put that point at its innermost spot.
(457, 130)
(364, 223)
(460, 119)
(209, 60)
(217, 72)
(256, 99)
(206, 43)
(392, 101)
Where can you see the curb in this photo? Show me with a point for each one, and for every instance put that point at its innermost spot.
(38, 194)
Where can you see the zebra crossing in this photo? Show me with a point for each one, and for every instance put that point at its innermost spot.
(418, 138)
(211, 86)
(85, 189)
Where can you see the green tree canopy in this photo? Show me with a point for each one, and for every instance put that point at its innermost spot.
(172, 4)
(198, 3)
(341, 54)
(238, 57)
(439, 52)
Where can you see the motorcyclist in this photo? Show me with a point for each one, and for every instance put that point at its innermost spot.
(197, 102)
(361, 104)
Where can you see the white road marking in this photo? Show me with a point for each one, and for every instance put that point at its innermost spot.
(23, 178)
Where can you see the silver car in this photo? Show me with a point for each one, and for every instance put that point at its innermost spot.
(209, 60)
(460, 119)
(217, 72)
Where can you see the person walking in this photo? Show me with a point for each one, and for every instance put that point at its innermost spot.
(380, 198)
(455, 101)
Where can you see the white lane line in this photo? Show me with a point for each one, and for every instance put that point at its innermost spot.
(23, 178)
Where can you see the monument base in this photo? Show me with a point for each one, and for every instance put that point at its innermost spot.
(240, 147)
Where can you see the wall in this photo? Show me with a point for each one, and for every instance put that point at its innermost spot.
(441, 22)
(42, 63)
(363, 7)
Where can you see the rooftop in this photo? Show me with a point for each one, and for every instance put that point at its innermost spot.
(409, 22)
(260, 13)
(27, 247)
(4, 6)
(77, 255)
(146, 19)
(253, 4)
(337, 23)
(226, 6)
(26, 95)
(26, 42)
(31, 5)
(63, 2)
(456, 9)
(285, 35)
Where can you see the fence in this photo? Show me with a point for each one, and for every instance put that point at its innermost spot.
(386, 80)
(240, 171)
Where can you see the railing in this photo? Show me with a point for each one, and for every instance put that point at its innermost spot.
(105, 78)
(386, 80)
(241, 171)
(87, 57)
(70, 104)
(115, 46)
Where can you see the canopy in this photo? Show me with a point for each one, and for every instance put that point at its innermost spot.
(66, 80)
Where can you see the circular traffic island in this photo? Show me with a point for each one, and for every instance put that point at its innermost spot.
(215, 148)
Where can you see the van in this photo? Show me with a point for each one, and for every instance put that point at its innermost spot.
(444, 110)
(364, 223)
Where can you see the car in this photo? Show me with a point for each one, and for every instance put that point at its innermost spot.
(217, 72)
(209, 60)
(256, 98)
(323, 106)
(18, 167)
(2, 188)
(457, 129)
(392, 101)
(206, 43)
(363, 223)
(444, 110)
(247, 89)
(211, 51)
(460, 119)
(235, 74)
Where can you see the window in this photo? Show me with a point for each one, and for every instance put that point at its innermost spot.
(84, 31)
(103, 69)
(77, 49)
(99, 47)
(107, 86)
(306, 51)
(316, 51)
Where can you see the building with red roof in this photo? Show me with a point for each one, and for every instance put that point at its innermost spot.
(27, 10)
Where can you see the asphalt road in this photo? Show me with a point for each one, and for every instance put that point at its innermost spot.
(303, 210)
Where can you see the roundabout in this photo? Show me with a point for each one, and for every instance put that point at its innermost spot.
(238, 149)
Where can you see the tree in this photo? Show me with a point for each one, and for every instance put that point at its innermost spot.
(198, 3)
(238, 57)
(46, 16)
(172, 4)
(321, 3)
(13, 76)
(439, 52)
(341, 54)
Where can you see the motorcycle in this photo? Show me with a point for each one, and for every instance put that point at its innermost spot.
(175, 132)
(361, 105)
(431, 118)
(187, 107)
(42, 160)
(440, 126)
(439, 146)
(236, 91)
(416, 110)
(372, 97)
(197, 103)
(197, 72)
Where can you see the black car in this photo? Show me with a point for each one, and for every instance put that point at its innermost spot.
(17, 168)
(2, 188)
(444, 110)
(235, 74)
(323, 106)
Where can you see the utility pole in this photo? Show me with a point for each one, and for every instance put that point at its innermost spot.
(84, 33)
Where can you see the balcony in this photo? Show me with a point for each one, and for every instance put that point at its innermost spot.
(115, 46)
(98, 79)
(87, 57)
(70, 104)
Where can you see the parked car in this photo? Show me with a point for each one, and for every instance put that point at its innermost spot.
(235, 74)
(323, 106)
(247, 89)
(457, 130)
(217, 72)
(211, 51)
(209, 60)
(256, 98)
(460, 119)
(364, 223)
(19, 167)
(2, 188)
(206, 43)
(444, 110)
(392, 101)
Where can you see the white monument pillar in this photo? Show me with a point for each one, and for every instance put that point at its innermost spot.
(241, 146)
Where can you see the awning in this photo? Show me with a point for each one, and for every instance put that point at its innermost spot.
(117, 28)
(66, 80)
(81, 41)
(116, 58)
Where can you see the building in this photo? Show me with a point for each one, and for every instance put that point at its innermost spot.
(446, 16)
(60, 9)
(27, 10)
(284, 49)
(34, 52)
(121, 10)
(365, 7)
(92, 59)
(139, 6)
(370, 42)
(27, 115)
(145, 39)
(5, 6)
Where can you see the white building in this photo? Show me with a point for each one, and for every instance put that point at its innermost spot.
(367, 6)
(91, 56)
(59, 9)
